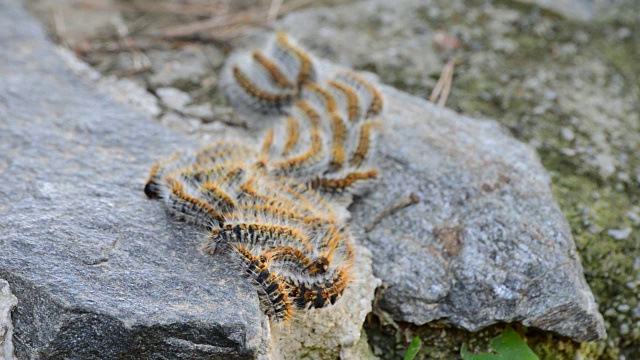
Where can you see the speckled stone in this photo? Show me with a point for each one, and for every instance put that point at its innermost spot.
(98, 270)
(487, 243)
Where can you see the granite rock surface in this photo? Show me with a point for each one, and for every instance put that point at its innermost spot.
(97, 268)
(486, 243)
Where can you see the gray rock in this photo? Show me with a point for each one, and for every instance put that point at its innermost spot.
(129, 92)
(620, 234)
(180, 123)
(173, 98)
(487, 243)
(124, 90)
(7, 302)
(99, 270)
(189, 65)
(204, 112)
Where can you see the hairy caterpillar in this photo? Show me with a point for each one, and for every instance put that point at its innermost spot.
(275, 207)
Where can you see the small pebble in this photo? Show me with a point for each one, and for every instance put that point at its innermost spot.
(634, 216)
(567, 133)
(619, 234)
(610, 312)
(624, 177)
(550, 95)
(624, 329)
(623, 33)
(624, 308)
(173, 98)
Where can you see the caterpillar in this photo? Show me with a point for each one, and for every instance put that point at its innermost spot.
(276, 208)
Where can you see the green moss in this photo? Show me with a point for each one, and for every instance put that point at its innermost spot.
(592, 209)
(441, 341)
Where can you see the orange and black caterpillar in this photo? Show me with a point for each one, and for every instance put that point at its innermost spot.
(277, 208)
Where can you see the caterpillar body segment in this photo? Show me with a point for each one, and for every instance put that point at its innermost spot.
(185, 205)
(338, 139)
(219, 174)
(267, 82)
(320, 97)
(308, 114)
(363, 148)
(294, 201)
(215, 195)
(300, 193)
(295, 264)
(235, 176)
(273, 291)
(267, 143)
(153, 186)
(370, 96)
(251, 90)
(223, 152)
(255, 233)
(265, 100)
(321, 291)
(349, 99)
(311, 160)
(294, 57)
(276, 74)
(283, 210)
(256, 193)
(345, 184)
(293, 136)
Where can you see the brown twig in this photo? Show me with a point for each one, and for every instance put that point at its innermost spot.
(190, 29)
(156, 7)
(413, 198)
(274, 9)
(253, 16)
(59, 24)
(443, 86)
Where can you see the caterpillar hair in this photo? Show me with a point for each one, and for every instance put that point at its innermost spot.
(277, 209)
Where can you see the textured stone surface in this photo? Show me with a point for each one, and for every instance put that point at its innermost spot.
(7, 302)
(487, 243)
(189, 65)
(123, 90)
(97, 268)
